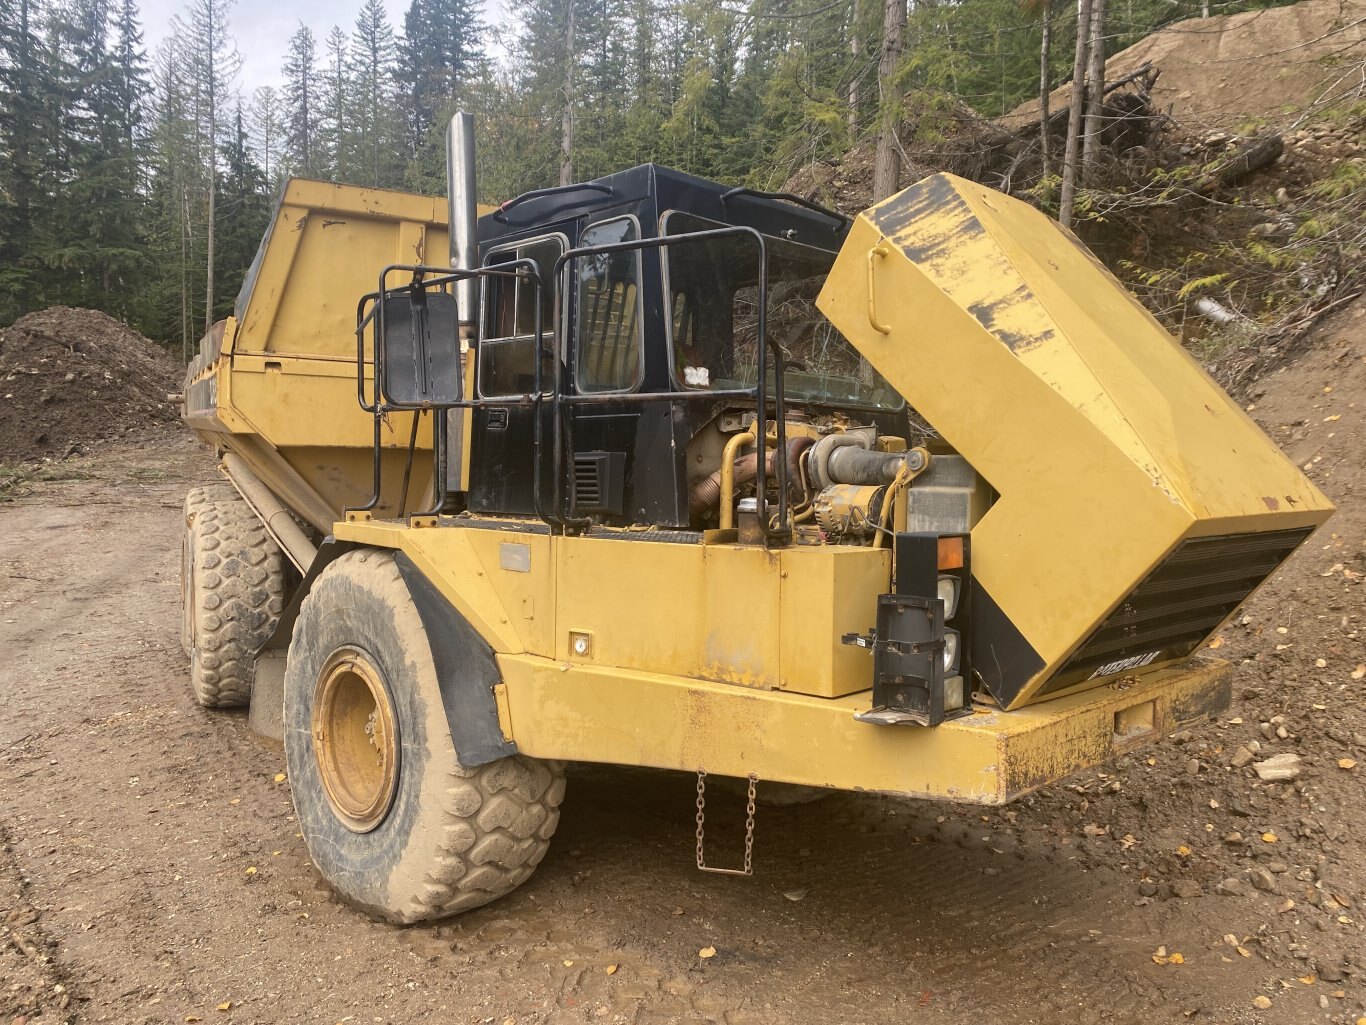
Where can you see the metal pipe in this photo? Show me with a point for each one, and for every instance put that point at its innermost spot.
(728, 454)
(463, 214)
(277, 520)
(705, 494)
(856, 465)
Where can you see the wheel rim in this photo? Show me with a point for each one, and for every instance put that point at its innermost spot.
(355, 739)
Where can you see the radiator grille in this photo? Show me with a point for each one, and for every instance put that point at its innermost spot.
(1179, 604)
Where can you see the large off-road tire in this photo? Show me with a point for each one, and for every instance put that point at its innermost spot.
(232, 588)
(397, 826)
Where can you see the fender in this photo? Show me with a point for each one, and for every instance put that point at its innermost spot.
(465, 665)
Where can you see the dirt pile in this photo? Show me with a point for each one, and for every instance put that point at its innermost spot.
(1230, 192)
(945, 136)
(69, 377)
(1237, 70)
(1255, 819)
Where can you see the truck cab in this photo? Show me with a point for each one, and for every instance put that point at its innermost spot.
(657, 340)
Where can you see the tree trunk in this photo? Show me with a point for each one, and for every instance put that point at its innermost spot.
(186, 315)
(854, 51)
(1070, 154)
(1095, 89)
(1045, 83)
(567, 118)
(212, 51)
(887, 170)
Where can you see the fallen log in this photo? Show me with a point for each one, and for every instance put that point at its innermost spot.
(1247, 158)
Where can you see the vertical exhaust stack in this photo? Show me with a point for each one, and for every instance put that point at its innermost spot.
(463, 227)
(463, 214)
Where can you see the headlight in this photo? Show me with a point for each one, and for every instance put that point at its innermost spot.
(948, 594)
(950, 651)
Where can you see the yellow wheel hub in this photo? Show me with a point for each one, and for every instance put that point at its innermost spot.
(355, 739)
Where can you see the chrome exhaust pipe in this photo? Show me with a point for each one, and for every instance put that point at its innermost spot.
(463, 214)
(462, 224)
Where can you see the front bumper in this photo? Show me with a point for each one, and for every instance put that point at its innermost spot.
(581, 712)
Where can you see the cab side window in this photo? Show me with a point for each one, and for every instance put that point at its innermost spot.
(507, 351)
(610, 335)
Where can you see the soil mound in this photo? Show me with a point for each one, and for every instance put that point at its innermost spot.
(70, 376)
(1257, 67)
(1258, 812)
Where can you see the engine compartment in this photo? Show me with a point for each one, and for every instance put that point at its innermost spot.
(848, 482)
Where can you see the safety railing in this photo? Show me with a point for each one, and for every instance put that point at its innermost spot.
(428, 286)
(373, 315)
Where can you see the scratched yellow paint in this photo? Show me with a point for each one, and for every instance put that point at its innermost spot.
(1106, 442)
(284, 383)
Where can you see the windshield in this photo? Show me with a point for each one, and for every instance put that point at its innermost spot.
(714, 322)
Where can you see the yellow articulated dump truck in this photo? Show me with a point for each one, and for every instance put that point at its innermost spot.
(653, 471)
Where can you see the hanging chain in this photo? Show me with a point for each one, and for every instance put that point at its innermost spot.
(701, 828)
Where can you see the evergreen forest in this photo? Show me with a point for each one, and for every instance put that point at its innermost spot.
(139, 180)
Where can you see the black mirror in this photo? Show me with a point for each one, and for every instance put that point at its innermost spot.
(421, 348)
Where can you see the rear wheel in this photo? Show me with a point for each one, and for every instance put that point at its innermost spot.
(393, 821)
(232, 588)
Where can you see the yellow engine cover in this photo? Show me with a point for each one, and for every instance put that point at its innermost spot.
(1139, 505)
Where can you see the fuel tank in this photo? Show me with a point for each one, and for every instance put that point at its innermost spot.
(1138, 504)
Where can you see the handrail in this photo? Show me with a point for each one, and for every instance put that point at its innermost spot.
(758, 393)
(430, 278)
(555, 190)
(382, 404)
(840, 219)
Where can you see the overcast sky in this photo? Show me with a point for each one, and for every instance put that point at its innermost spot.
(262, 29)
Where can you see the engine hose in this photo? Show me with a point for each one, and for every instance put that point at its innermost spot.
(705, 494)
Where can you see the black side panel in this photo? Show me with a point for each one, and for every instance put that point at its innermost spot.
(1001, 657)
(466, 670)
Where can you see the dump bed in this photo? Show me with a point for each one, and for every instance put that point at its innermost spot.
(276, 383)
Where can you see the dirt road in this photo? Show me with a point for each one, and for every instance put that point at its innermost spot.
(151, 871)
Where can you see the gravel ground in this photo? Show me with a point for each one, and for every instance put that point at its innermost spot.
(150, 870)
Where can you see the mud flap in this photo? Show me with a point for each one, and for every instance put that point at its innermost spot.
(266, 715)
(465, 669)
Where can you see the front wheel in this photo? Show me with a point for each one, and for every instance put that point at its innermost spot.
(394, 822)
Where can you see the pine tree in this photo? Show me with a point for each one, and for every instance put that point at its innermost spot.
(212, 61)
(301, 104)
(23, 84)
(373, 57)
(441, 51)
(244, 213)
(268, 132)
(336, 106)
(177, 187)
(887, 171)
(89, 237)
(542, 76)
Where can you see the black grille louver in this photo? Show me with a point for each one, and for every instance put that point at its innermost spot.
(587, 486)
(599, 482)
(1179, 604)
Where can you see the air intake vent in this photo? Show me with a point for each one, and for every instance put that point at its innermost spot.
(599, 481)
(1176, 607)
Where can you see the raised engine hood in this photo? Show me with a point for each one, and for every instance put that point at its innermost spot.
(1139, 505)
